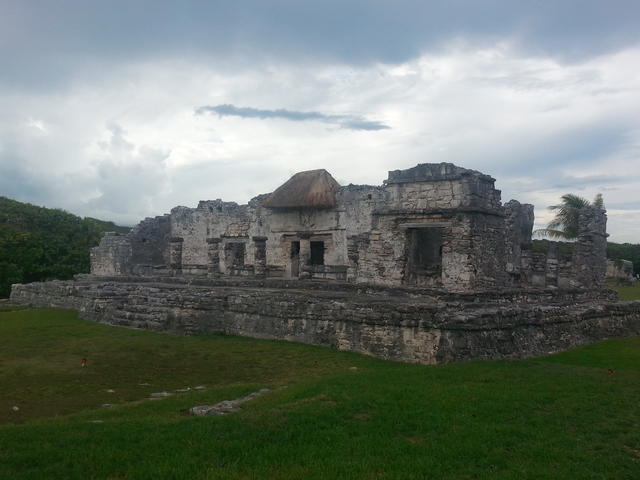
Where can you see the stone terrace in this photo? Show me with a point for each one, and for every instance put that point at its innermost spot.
(406, 324)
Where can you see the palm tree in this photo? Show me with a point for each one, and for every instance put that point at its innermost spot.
(565, 224)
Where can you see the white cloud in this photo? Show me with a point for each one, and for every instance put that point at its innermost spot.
(130, 146)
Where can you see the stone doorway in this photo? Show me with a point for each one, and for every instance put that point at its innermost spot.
(295, 258)
(424, 256)
(234, 257)
(317, 253)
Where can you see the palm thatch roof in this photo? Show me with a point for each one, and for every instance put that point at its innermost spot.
(310, 189)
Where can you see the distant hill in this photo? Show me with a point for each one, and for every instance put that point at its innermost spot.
(38, 243)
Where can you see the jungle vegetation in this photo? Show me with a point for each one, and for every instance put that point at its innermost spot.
(38, 243)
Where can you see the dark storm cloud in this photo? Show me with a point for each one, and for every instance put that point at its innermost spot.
(351, 122)
(43, 42)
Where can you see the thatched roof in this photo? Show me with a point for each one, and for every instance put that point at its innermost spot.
(310, 189)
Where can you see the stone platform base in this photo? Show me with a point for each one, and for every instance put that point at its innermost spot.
(410, 325)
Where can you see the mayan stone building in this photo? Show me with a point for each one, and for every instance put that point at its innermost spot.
(429, 267)
(435, 225)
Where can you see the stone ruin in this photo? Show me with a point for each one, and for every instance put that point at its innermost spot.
(620, 271)
(430, 267)
(434, 225)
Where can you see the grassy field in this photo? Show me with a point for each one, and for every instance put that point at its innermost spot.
(628, 293)
(341, 415)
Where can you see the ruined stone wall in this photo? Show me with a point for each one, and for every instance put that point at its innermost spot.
(551, 267)
(356, 204)
(234, 223)
(441, 186)
(226, 221)
(149, 244)
(382, 253)
(620, 269)
(113, 256)
(488, 251)
(519, 220)
(579, 264)
(458, 269)
(387, 324)
(434, 225)
(590, 252)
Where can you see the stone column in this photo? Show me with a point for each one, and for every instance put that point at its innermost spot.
(590, 249)
(305, 256)
(175, 255)
(260, 256)
(213, 256)
(551, 270)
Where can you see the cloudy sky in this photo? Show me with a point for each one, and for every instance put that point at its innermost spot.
(123, 109)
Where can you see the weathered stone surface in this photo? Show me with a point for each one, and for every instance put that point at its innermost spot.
(429, 267)
(590, 252)
(620, 269)
(369, 234)
(414, 325)
(226, 406)
(113, 257)
(433, 225)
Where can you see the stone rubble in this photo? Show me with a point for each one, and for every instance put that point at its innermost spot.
(160, 394)
(226, 406)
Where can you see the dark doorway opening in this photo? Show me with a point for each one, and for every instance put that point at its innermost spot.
(295, 258)
(424, 255)
(235, 254)
(317, 253)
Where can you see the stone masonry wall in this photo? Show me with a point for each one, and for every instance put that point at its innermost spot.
(620, 269)
(519, 220)
(380, 235)
(149, 244)
(579, 264)
(387, 324)
(590, 252)
(113, 257)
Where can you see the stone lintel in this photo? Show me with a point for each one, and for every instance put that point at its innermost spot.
(425, 225)
(295, 233)
(325, 268)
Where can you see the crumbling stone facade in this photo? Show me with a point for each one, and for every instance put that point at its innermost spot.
(620, 270)
(435, 225)
(430, 267)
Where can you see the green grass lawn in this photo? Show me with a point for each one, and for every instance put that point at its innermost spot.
(628, 293)
(342, 415)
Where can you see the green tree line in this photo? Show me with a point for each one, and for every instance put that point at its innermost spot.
(625, 251)
(38, 243)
